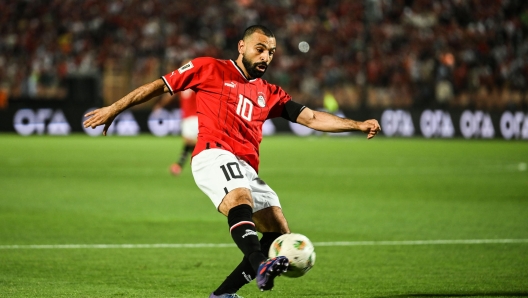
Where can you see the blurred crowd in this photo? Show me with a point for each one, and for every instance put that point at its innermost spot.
(367, 53)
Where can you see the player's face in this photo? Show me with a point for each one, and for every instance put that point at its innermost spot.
(257, 52)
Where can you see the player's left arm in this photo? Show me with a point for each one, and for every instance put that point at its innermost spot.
(323, 121)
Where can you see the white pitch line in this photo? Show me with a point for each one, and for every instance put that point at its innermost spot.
(101, 246)
(421, 242)
(220, 245)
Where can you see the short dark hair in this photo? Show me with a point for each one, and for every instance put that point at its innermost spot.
(257, 28)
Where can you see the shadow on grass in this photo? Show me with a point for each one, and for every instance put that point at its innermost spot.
(469, 294)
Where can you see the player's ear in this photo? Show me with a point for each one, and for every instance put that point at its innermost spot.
(241, 47)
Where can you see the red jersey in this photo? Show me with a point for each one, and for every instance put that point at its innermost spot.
(231, 109)
(188, 103)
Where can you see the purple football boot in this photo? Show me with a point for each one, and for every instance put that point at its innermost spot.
(270, 269)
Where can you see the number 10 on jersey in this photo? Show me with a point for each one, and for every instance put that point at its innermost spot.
(245, 107)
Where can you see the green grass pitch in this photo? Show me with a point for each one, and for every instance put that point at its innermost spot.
(117, 190)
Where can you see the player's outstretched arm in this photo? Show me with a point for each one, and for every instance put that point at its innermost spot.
(107, 114)
(323, 121)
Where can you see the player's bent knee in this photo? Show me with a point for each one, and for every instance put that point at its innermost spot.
(271, 219)
(236, 197)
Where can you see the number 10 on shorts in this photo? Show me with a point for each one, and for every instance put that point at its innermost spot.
(231, 171)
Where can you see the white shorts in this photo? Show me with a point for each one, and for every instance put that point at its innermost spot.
(217, 172)
(189, 127)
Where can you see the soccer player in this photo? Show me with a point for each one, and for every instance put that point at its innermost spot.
(189, 125)
(233, 103)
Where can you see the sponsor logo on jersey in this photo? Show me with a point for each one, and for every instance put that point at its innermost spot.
(261, 100)
(185, 67)
(232, 85)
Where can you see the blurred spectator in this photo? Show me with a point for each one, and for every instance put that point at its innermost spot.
(462, 53)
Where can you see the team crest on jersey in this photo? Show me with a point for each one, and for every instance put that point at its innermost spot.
(261, 100)
(185, 67)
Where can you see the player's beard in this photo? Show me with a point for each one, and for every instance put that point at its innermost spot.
(251, 68)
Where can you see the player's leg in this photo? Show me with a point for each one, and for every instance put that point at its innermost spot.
(188, 147)
(271, 223)
(219, 174)
(237, 205)
(269, 220)
(177, 167)
(189, 135)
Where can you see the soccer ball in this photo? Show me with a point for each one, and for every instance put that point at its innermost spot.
(298, 249)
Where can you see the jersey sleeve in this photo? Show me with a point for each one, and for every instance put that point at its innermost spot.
(188, 76)
(283, 98)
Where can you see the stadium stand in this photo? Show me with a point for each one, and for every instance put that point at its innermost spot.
(394, 53)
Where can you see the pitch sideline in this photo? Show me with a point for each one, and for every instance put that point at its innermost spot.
(221, 245)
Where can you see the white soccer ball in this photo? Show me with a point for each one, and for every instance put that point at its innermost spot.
(298, 249)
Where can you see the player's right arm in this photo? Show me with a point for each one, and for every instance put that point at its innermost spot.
(140, 95)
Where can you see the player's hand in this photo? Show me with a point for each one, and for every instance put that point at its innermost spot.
(99, 117)
(371, 127)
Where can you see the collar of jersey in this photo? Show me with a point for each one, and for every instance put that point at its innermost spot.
(241, 72)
